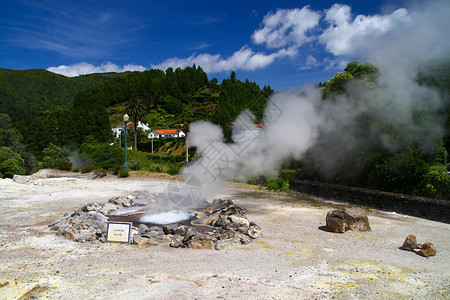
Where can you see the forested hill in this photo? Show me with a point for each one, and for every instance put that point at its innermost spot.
(28, 92)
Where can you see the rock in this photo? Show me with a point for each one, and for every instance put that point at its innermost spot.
(82, 228)
(177, 241)
(124, 202)
(169, 229)
(108, 208)
(410, 243)
(155, 228)
(239, 220)
(181, 230)
(143, 241)
(140, 202)
(24, 179)
(347, 219)
(190, 232)
(228, 243)
(223, 234)
(220, 222)
(208, 219)
(245, 239)
(142, 228)
(254, 231)
(91, 207)
(150, 234)
(202, 241)
(428, 249)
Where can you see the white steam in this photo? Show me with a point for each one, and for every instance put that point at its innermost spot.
(332, 133)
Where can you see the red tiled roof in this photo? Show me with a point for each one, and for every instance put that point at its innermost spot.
(166, 131)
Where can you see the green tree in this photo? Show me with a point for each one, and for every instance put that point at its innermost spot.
(233, 76)
(337, 84)
(10, 163)
(173, 105)
(55, 157)
(136, 109)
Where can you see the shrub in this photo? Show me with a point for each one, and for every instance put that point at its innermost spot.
(10, 163)
(274, 183)
(273, 186)
(115, 170)
(123, 174)
(89, 168)
(174, 169)
(259, 180)
(136, 165)
(99, 172)
(10, 167)
(287, 175)
(76, 170)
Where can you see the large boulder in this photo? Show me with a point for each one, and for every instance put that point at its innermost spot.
(202, 241)
(347, 219)
(82, 227)
(428, 249)
(410, 243)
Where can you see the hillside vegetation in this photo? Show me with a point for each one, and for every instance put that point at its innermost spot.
(42, 113)
(28, 92)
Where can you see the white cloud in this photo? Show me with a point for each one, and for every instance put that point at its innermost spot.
(344, 36)
(244, 59)
(286, 27)
(86, 68)
(311, 62)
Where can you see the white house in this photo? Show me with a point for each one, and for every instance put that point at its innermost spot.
(161, 133)
(130, 125)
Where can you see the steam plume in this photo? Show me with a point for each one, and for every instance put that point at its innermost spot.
(300, 122)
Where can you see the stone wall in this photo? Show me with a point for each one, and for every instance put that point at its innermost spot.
(433, 209)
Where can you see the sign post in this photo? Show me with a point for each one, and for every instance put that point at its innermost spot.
(119, 232)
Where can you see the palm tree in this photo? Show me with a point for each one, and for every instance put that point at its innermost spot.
(136, 109)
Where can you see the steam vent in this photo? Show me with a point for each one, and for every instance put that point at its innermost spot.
(219, 225)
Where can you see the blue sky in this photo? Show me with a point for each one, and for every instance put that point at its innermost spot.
(280, 43)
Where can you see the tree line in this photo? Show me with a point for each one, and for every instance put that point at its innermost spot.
(175, 98)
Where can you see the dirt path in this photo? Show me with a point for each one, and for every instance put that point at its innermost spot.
(296, 259)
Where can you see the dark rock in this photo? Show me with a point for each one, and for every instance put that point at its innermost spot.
(428, 249)
(232, 226)
(190, 232)
(223, 234)
(108, 208)
(347, 219)
(142, 228)
(181, 230)
(410, 243)
(168, 229)
(177, 241)
(91, 207)
(202, 241)
(124, 202)
(208, 219)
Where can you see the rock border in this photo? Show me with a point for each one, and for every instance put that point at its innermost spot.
(219, 226)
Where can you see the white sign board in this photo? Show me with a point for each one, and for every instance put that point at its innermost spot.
(119, 232)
